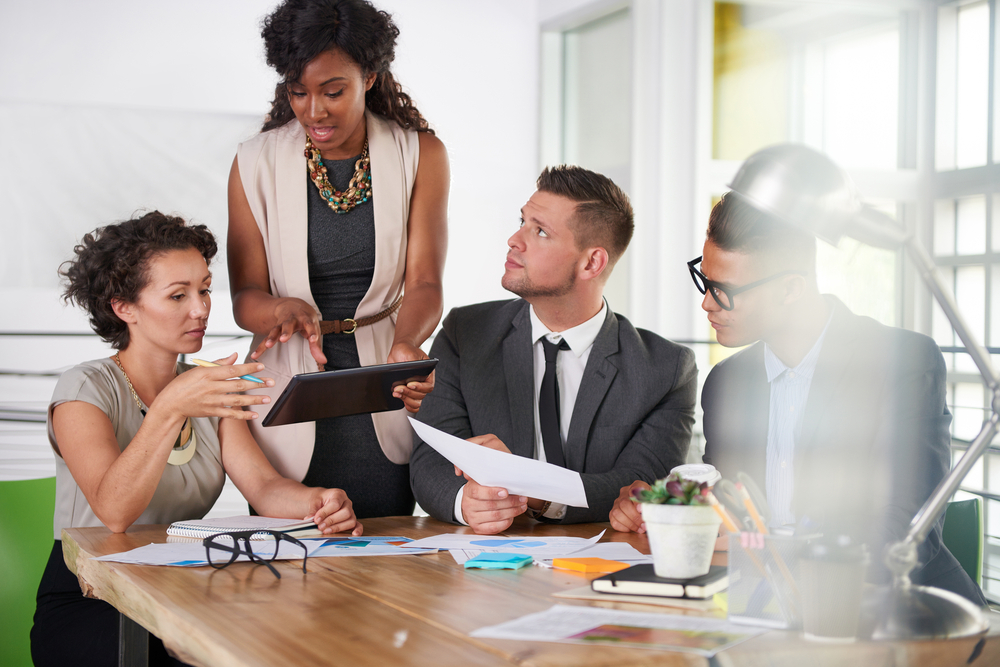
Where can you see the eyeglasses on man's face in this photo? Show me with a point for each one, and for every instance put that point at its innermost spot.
(224, 548)
(723, 294)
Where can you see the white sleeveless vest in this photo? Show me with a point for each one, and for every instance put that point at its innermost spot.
(272, 168)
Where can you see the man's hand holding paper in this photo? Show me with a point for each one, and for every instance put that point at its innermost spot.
(488, 509)
(500, 484)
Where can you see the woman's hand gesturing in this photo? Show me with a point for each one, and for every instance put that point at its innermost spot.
(291, 315)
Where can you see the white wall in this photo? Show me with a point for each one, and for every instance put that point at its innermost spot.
(109, 106)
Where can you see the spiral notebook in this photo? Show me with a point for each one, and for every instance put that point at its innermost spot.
(201, 528)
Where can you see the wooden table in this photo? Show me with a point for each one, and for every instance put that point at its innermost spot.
(406, 610)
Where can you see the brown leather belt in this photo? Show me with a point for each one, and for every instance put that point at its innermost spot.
(350, 325)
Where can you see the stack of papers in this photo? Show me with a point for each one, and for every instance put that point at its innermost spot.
(464, 547)
(192, 554)
(592, 625)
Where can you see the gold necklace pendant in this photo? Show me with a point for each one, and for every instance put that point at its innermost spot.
(187, 440)
(358, 191)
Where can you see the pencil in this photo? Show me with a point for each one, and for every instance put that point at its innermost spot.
(209, 364)
(748, 501)
(721, 511)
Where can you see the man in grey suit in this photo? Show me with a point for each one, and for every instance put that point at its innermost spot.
(555, 375)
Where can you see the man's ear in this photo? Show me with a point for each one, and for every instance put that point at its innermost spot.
(795, 288)
(595, 263)
(123, 310)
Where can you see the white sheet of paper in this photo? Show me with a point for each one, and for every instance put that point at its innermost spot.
(619, 551)
(519, 475)
(561, 623)
(333, 547)
(473, 545)
(192, 554)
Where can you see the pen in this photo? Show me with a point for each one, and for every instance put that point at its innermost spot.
(209, 364)
(748, 501)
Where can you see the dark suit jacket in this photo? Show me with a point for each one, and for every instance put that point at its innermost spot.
(632, 418)
(874, 441)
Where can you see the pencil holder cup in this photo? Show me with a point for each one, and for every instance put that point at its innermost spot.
(763, 576)
(681, 538)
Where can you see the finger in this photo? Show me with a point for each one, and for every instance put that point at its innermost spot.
(358, 529)
(342, 519)
(491, 527)
(288, 327)
(412, 405)
(317, 354)
(480, 492)
(458, 471)
(227, 361)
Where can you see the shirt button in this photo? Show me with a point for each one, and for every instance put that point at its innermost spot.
(791, 375)
(791, 408)
(782, 464)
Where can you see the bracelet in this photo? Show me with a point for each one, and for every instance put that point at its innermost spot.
(537, 514)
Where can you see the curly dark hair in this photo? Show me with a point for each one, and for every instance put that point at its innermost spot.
(299, 30)
(112, 262)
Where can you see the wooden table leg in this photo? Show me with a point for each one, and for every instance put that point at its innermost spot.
(133, 643)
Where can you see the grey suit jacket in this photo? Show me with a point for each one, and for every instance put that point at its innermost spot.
(632, 418)
(874, 441)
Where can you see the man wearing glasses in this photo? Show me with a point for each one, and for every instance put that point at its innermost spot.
(841, 420)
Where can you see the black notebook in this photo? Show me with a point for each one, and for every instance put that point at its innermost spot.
(642, 580)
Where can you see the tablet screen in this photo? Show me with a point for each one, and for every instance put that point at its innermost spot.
(351, 391)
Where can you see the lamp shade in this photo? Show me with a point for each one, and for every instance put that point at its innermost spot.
(807, 190)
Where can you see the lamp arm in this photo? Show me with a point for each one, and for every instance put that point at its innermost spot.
(900, 557)
(928, 272)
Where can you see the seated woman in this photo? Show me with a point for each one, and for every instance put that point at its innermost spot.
(141, 438)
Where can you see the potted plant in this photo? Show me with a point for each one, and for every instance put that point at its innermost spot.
(681, 525)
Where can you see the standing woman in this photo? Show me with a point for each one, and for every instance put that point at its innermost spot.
(337, 240)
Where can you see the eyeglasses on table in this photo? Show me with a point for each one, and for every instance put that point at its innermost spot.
(224, 548)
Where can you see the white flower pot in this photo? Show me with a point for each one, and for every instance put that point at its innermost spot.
(681, 538)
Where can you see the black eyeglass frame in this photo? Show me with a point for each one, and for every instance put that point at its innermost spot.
(731, 292)
(235, 551)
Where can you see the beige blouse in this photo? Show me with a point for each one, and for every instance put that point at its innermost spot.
(185, 492)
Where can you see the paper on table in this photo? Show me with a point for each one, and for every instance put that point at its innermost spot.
(590, 625)
(620, 551)
(532, 545)
(364, 546)
(192, 554)
(519, 475)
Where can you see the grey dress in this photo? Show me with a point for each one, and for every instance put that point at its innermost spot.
(347, 454)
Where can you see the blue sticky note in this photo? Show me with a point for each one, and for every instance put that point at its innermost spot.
(489, 561)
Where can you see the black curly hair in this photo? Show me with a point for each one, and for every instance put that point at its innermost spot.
(112, 263)
(299, 30)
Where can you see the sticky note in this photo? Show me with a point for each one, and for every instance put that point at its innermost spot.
(491, 561)
(590, 565)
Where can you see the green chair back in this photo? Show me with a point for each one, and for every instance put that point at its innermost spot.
(963, 535)
(26, 509)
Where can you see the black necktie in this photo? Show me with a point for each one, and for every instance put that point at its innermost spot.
(548, 404)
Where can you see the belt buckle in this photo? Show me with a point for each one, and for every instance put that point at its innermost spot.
(354, 326)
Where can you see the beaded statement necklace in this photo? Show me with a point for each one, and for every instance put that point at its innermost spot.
(187, 441)
(359, 190)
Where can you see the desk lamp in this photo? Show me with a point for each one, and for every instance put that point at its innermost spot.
(805, 189)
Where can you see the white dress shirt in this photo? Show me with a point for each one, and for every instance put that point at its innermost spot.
(570, 365)
(789, 392)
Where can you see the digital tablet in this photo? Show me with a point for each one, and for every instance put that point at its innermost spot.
(352, 391)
